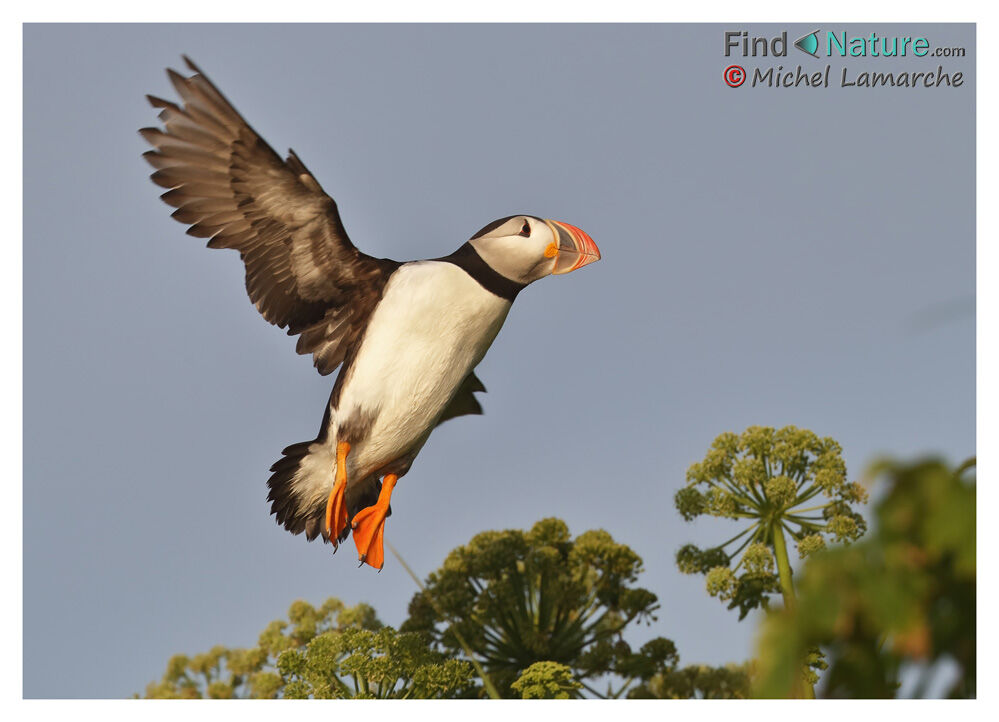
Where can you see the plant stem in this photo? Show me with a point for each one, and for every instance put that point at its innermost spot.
(786, 587)
(592, 691)
(811, 508)
(783, 566)
(737, 536)
(487, 683)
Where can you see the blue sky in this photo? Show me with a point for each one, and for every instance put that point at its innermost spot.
(770, 257)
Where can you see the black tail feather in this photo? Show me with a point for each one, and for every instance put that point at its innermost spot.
(295, 505)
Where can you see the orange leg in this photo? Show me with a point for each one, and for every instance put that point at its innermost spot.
(369, 526)
(336, 508)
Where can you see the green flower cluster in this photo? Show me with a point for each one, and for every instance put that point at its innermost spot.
(770, 478)
(331, 651)
(698, 681)
(519, 597)
(547, 680)
(366, 664)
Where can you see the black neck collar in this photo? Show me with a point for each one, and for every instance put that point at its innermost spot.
(468, 259)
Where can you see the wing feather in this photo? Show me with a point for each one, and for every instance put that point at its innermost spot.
(229, 186)
(464, 401)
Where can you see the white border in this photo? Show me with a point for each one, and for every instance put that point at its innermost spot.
(508, 11)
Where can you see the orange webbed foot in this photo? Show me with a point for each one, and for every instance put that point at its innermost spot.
(336, 506)
(369, 526)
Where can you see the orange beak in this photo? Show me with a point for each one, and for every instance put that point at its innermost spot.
(575, 248)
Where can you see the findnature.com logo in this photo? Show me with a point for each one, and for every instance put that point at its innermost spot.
(838, 44)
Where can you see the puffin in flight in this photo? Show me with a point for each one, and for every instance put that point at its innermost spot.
(406, 336)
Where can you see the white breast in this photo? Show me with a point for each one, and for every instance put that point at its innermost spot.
(431, 328)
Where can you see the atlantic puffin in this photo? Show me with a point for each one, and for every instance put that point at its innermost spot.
(406, 337)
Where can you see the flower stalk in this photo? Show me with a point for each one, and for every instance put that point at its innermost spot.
(766, 480)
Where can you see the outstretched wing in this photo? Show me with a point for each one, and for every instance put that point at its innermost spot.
(302, 271)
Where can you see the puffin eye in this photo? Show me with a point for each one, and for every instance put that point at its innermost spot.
(526, 230)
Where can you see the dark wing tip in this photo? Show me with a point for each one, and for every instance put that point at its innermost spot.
(159, 102)
(190, 64)
(174, 76)
(295, 163)
(304, 174)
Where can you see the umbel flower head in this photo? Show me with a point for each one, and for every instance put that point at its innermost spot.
(775, 482)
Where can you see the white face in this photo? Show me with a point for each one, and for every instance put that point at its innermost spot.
(521, 248)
